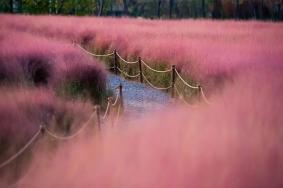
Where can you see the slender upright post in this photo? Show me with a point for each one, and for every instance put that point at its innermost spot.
(173, 78)
(97, 111)
(110, 102)
(121, 96)
(42, 129)
(115, 62)
(199, 92)
(140, 69)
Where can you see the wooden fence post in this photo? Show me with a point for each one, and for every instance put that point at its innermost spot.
(121, 96)
(173, 78)
(140, 69)
(199, 93)
(97, 110)
(115, 62)
(42, 129)
(110, 101)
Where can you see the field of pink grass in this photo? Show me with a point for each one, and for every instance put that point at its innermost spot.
(233, 142)
(208, 50)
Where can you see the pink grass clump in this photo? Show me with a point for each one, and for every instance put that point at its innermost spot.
(25, 58)
(23, 111)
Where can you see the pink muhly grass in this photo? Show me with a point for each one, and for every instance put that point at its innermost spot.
(27, 58)
(23, 111)
(204, 49)
(234, 142)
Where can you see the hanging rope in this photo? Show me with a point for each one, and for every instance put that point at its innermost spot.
(126, 74)
(158, 71)
(95, 55)
(203, 96)
(181, 96)
(71, 136)
(138, 74)
(106, 111)
(158, 88)
(128, 62)
(186, 83)
(194, 87)
(118, 115)
(12, 158)
(111, 68)
(116, 100)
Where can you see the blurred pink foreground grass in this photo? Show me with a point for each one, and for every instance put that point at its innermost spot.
(236, 142)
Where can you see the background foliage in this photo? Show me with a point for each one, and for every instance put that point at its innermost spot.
(222, 9)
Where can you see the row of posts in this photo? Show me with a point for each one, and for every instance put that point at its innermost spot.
(97, 108)
(173, 74)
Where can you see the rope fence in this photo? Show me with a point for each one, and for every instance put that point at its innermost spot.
(153, 86)
(107, 109)
(43, 130)
(143, 65)
(186, 83)
(50, 133)
(180, 96)
(157, 71)
(93, 54)
(117, 105)
(127, 75)
(125, 61)
(118, 102)
(111, 68)
(22, 150)
(204, 96)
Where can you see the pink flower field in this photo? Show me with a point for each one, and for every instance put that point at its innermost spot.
(207, 50)
(235, 141)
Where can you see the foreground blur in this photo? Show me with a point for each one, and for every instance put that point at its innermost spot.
(235, 142)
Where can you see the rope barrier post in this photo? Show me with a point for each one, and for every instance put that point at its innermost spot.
(199, 92)
(97, 110)
(140, 68)
(115, 62)
(121, 96)
(42, 129)
(110, 102)
(173, 78)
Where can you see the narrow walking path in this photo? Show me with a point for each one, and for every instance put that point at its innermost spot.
(139, 99)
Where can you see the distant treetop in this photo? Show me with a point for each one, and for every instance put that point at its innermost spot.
(217, 9)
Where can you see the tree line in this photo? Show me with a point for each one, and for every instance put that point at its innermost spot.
(218, 9)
